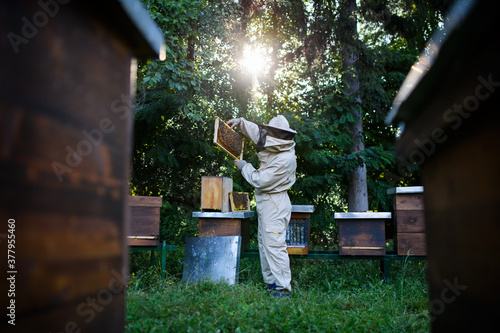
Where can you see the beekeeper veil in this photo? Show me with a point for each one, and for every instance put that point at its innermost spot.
(277, 132)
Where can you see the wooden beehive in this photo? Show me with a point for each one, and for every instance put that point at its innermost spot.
(362, 233)
(215, 193)
(226, 138)
(66, 125)
(459, 160)
(145, 220)
(214, 224)
(299, 229)
(409, 220)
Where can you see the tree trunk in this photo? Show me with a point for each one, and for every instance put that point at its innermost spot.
(357, 198)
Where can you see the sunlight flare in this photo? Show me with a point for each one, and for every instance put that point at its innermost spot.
(254, 59)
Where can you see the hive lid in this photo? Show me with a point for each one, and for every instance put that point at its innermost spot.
(222, 215)
(302, 209)
(432, 71)
(362, 215)
(132, 21)
(406, 190)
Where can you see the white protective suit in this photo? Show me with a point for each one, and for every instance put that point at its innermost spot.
(271, 181)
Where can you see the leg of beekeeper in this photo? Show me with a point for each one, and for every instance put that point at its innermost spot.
(274, 212)
(266, 270)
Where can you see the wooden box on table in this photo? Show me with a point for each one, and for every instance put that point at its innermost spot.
(145, 220)
(215, 193)
(362, 233)
(409, 220)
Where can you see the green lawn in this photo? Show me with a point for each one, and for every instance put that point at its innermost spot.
(328, 296)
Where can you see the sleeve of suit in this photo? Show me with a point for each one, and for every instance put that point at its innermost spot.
(250, 130)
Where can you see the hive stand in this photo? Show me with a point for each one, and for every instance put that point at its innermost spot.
(363, 239)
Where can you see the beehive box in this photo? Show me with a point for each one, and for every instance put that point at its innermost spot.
(214, 224)
(215, 194)
(409, 220)
(362, 233)
(145, 220)
(299, 229)
(227, 139)
(460, 170)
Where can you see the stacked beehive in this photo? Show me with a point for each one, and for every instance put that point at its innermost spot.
(409, 220)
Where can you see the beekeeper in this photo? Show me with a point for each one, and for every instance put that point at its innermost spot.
(276, 174)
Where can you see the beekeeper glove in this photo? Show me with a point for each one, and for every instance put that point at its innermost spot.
(240, 163)
(234, 122)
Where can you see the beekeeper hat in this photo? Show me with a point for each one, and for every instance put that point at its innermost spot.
(280, 122)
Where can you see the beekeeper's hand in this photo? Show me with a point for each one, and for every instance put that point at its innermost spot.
(240, 163)
(234, 122)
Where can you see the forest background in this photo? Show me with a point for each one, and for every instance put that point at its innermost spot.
(331, 67)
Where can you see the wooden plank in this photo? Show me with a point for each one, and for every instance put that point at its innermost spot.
(297, 250)
(410, 201)
(142, 242)
(411, 244)
(362, 251)
(211, 193)
(213, 227)
(300, 216)
(215, 193)
(361, 233)
(144, 201)
(219, 227)
(410, 221)
(144, 221)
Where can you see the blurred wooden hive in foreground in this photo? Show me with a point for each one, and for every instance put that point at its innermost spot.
(66, 125)
(226, 138)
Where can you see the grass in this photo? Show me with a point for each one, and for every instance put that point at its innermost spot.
(328, 296)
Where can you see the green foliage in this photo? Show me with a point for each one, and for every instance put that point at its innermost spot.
(411, 21)
(177, 20)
